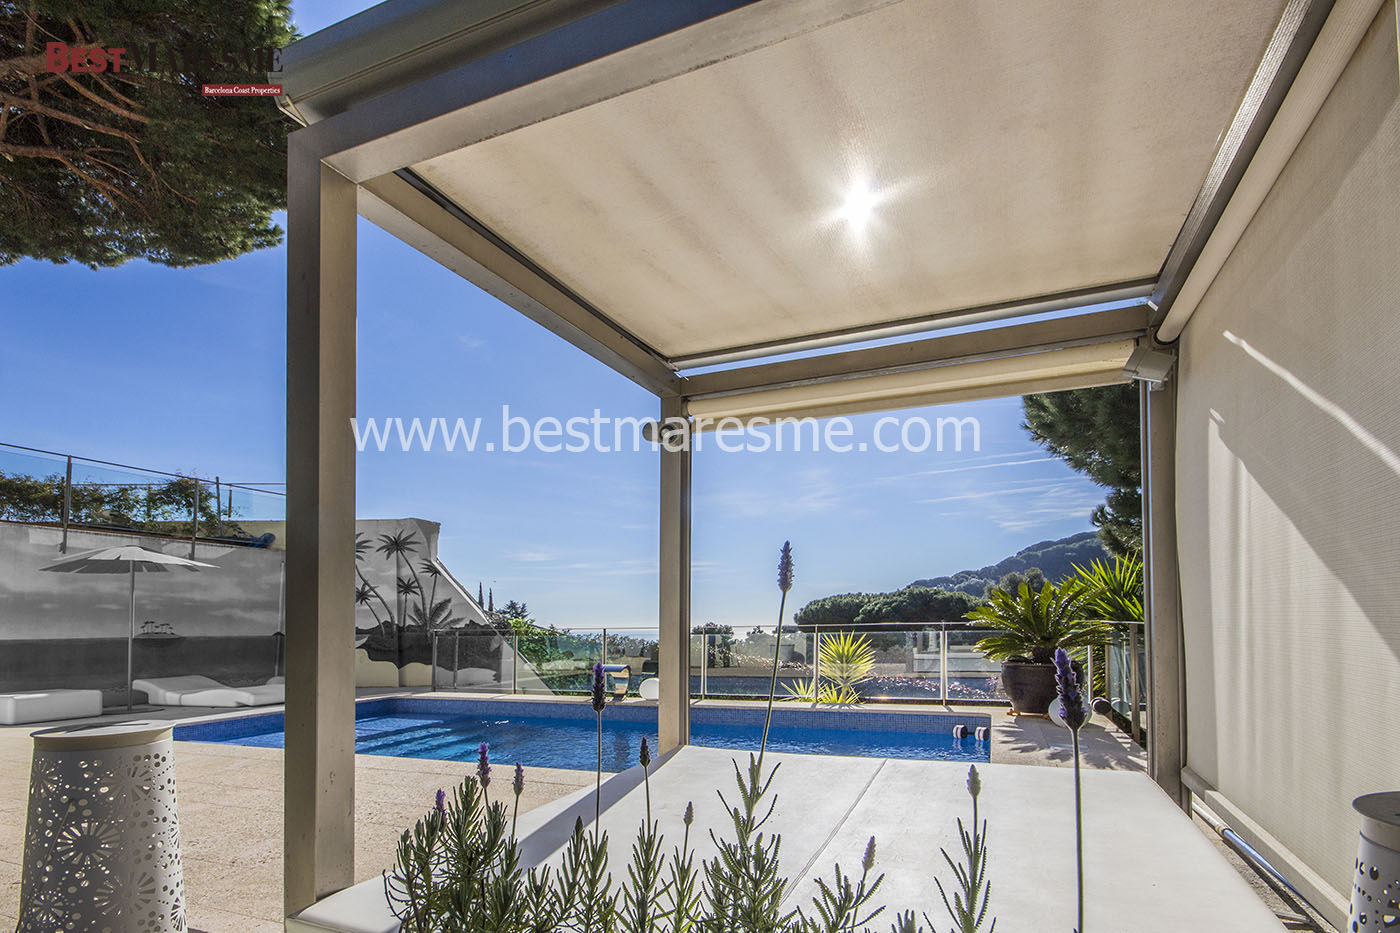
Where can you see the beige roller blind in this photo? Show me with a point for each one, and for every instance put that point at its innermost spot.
(1049, 371)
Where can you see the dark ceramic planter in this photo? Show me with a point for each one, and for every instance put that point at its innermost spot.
(1029, 686)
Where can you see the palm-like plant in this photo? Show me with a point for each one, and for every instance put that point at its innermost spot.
(847, 659)
(1117, 586)
(846, 662)
(1032, 625)
(826, 694)
(1119, 600)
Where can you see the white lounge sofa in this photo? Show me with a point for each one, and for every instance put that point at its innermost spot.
(198, 690)
(43, 705)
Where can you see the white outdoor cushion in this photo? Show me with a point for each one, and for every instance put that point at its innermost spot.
(41, 705)
(649, 689)
(265, 694)
(166, 691)
(235, 696)
(198, 690)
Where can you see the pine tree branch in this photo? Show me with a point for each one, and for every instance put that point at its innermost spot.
(43, 110)
(102, 102)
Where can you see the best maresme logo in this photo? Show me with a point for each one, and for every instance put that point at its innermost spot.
(60, 57)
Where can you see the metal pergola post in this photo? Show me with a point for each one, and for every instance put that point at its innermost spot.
(1164, 634)
(673, 664)
(319, 774)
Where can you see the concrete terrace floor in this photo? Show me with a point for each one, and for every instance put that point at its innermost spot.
(230, 805)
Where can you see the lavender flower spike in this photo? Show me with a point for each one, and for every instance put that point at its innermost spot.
(1067, 681)
(440, 804)
(974, 781)
(483, 766)
(785, 567)
(518, 785)
(600, 698)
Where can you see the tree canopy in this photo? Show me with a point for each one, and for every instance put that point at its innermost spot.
(1095, 431)
(100, 168)
(915, 605)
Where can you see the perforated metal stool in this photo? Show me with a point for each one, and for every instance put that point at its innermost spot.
(1375, 893)
(102, 842)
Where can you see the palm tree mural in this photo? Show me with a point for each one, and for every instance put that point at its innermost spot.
(404, 627)
(438, 616)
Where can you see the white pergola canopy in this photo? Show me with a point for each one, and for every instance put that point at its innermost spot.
(691, 186)
(1013, 150)
(674, 185)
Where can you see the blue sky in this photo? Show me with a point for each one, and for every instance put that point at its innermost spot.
(183, 370)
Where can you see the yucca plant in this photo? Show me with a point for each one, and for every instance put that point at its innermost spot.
(847, 660)
(1031, 625)
(807, 691)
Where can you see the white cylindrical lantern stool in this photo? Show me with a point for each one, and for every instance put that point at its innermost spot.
(1375, 893)
(102, 844)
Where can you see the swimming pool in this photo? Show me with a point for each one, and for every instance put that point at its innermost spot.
(563, 735)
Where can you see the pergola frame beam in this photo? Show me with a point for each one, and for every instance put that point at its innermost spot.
(938, 320)
(417, 214)
(1289, 45)
(618, 49)
(1016, 340)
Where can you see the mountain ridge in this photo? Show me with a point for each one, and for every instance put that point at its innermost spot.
(1054, 558)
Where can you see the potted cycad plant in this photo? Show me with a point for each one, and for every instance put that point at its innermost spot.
(1027, 626)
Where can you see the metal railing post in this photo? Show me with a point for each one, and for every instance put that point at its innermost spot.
(194, 520)
(432, 660)
(704, 666)
(816, 663)
(67, 504)
(1133, 682)
(514, 664)
(943, 664)
(218, 508)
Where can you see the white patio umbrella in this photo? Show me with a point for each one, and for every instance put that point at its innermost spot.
(130, 560)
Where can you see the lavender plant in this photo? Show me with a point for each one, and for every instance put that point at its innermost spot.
(1072, 710)
(968, 908)
(682, 892)
(840, 905)
(483, 768)
(518, 786)
(743, 886)
(640, 912)
(600, 701)
(784, 584)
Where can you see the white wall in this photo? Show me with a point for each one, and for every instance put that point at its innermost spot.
(1288, 507)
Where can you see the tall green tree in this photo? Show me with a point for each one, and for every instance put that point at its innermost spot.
(1095, 431)
(100, 168)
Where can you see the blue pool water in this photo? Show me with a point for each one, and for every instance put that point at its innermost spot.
(563, 735)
